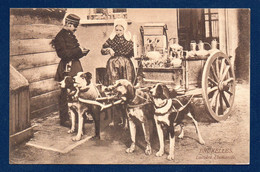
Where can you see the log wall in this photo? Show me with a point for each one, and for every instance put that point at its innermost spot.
(32, 55)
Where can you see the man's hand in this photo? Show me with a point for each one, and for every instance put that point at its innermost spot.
(85, 51)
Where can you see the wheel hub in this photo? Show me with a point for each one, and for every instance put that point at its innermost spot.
(220, 86)
(223, 86)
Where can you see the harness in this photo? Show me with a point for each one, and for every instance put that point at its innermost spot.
(71, 95)
(147, 101)
(168, 107)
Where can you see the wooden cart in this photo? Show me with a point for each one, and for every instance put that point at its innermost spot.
(210, 76)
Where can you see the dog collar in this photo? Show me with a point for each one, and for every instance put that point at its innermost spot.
(165, 109)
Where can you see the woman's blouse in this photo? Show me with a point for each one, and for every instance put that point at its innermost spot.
(120, 45)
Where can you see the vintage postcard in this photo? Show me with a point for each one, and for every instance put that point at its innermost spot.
(129, 86)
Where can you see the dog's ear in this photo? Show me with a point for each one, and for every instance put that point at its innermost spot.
(162, 91)
(159, 89)
(83, 75)
(88, 75)
(68, 81)
(173, 93)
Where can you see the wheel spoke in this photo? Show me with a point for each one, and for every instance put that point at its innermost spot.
(217, 103)
(222, 67)
(225, 72)
(225, 82)
(230, 93)
(213, 100)
(217, 67)
(221, 103)
(225, 100)
(212, 81)
(214, 73)
(212, 89)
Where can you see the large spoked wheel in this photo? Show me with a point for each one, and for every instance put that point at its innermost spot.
(218, 85)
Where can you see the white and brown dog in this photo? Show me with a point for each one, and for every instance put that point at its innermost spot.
(72, 98)
(170, 112)
(139, 109)
(83, 101)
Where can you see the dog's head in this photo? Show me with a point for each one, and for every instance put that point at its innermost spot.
(67, 82)
(122, 88)
(162, 91)
(83, 79)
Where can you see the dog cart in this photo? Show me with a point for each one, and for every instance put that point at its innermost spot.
(198, 72)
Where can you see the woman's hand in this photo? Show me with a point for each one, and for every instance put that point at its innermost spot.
(111, 51)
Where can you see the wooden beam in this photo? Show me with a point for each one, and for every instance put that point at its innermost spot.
(44, 100)
(44, 111)
(33, 31)
(21, 136)
(43, 86)
(39, 73)
(29, 46)
(22, 62)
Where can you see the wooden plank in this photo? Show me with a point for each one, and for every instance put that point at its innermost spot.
(23, 122)
(30, 46)
(39, 73)
(22, 62)
(44, 111)
(28, 109)
(43, 86)
(44, 100)
(21, 136)
(12, 114)
(33, 31)
(16, 113)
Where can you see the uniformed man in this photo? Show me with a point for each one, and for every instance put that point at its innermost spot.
(69, 50)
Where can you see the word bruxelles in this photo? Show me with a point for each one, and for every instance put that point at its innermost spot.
(216, 150)
(215, 153)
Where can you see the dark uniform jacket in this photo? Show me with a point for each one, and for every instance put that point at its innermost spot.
(67, 48)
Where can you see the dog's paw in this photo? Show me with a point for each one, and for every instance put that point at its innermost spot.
(170, 157)
(125, 127)
(111, 124)
(181, 136)
(71, 131)
(131, 149)
(202, 141)
(148, 150)
(159, 153)
(76, 138)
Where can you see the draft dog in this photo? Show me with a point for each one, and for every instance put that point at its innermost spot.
(72, 98)
(170, 112)
(83, 95)
(139, 109)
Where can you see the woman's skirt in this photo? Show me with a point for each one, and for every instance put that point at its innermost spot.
(120, 68)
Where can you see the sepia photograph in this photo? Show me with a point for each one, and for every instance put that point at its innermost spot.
(164, 86)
